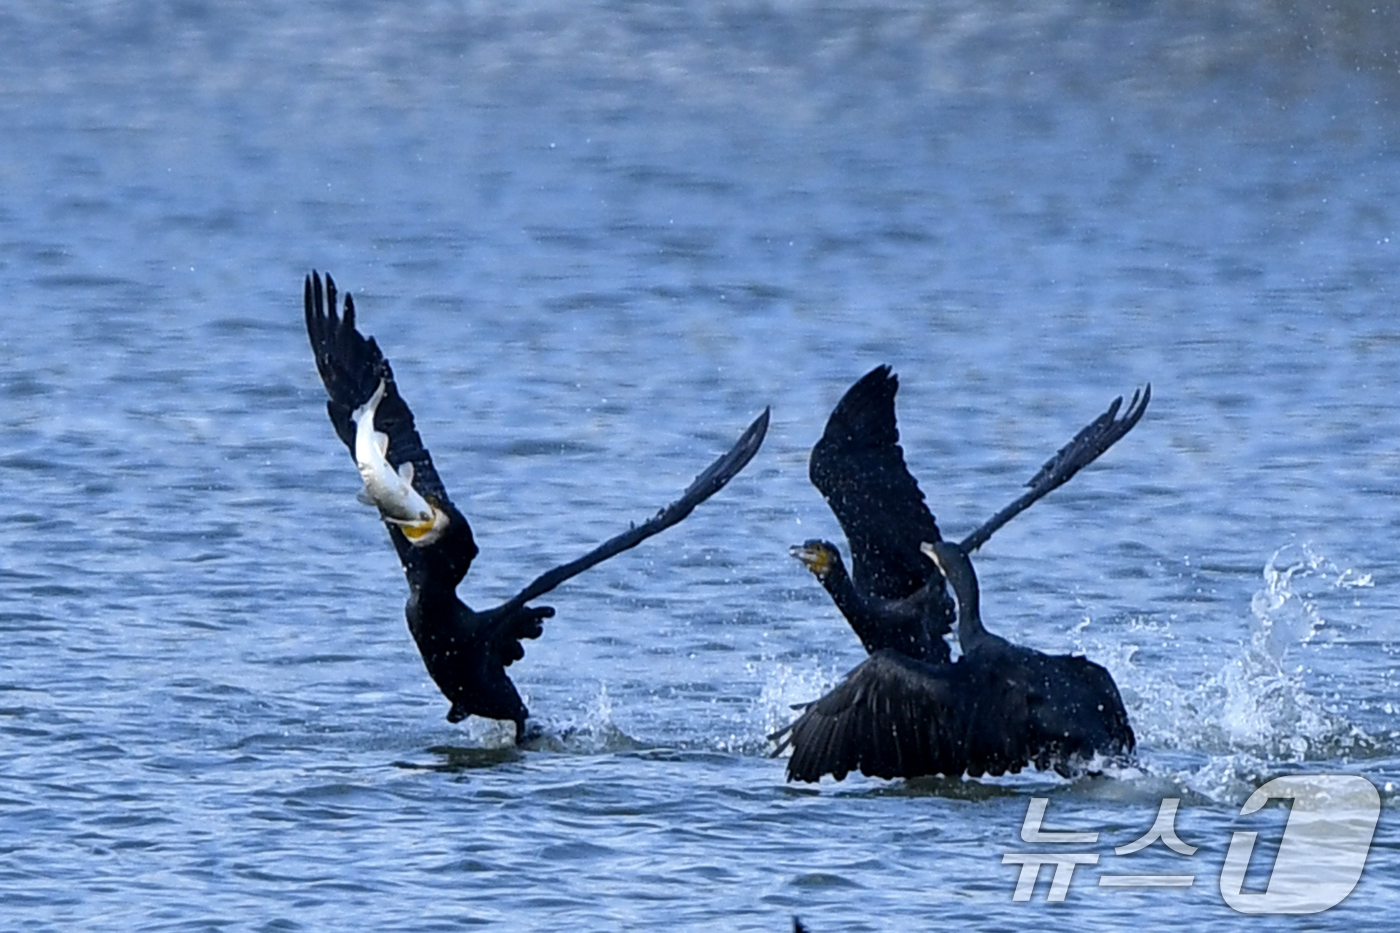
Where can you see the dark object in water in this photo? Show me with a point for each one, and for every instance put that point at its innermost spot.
(995, 710)
(893, 597)
(466, 651)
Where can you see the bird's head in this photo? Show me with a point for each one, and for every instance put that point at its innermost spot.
(945, 555)
(817, 556)
(430, 531)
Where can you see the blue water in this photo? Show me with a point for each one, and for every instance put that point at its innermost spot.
(595, 240)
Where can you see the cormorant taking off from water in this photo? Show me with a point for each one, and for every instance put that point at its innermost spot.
(466, 651)
(996, 709)
(893, 597)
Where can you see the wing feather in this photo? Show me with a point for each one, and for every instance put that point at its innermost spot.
(1083, 449)
(892, 716)
(859, 467)
(351, 368)
(710, 481)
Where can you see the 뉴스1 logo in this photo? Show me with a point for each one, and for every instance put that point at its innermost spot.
(1323, 850)
(1319, 861)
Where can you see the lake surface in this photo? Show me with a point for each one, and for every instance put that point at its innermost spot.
(596, 240)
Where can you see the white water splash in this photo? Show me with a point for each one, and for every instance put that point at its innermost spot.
(1250, 710)
(1296, 578)
(786, 686)
(595, 731)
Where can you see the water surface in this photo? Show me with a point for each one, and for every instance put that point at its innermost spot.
(595, 241)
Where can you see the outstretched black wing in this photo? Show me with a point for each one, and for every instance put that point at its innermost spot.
(896, 717)
(891, 717)
(351, 367)
(711, 481)
(1095, 437)
(1074, 713)
(859, 467)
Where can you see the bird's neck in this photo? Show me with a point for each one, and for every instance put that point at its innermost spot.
(837, 582)
(971, 632)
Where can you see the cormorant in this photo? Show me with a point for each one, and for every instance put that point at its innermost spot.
(996, 709)
(466, 651)
(893, 598)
